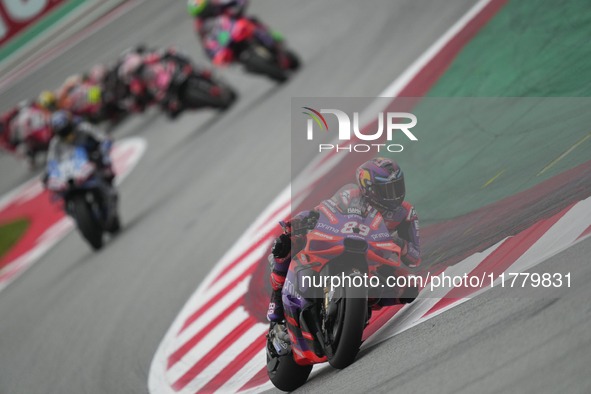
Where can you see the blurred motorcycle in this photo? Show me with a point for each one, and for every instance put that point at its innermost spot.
(261, 51)
(175, 84)
(75, 179)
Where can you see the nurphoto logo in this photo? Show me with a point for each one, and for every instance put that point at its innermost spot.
(392, 123)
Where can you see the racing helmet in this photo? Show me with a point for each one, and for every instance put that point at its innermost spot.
(196, 7)
(382, 182)
(47, 100)
(61, 124)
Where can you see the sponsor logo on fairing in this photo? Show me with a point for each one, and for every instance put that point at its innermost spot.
(328, 214)
(319, 234)
(345, 130)
(327, 227)
(380, 235)
(385, 245)
(376, 222)
(355, 211)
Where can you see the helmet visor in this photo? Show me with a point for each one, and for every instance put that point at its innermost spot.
(390, 190)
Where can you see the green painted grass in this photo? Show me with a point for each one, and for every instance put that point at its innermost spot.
(10, 233)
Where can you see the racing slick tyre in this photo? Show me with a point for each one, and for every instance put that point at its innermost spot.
(115, 226)
(206, 93)
(347, 329)
(260, 60)
(88, 226)
(294, 60)
(286, 374)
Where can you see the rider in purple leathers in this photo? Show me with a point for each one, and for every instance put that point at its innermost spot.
(381, 185)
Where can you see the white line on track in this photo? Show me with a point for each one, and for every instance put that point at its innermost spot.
(208, 316)
(56, 51)
(214, 337)
(246, 373)
(226, 358)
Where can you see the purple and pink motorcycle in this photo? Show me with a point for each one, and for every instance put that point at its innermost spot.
(346, 239)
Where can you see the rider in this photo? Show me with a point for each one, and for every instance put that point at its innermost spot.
(31, 126)
(70, 131)
(147, 77)
(380, 184)
(24, 120)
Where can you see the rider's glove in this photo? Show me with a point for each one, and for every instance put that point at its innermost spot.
(281, 246)
(305, 223)
(402, 244)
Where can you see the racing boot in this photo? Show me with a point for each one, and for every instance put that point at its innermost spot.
(278, 337)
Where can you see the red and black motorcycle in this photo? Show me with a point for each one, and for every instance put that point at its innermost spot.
(262, 51)
(176, 84)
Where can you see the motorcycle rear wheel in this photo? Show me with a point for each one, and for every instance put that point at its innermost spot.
(88, 226)
(195, 96)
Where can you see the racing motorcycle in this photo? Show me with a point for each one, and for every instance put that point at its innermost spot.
(247, 41)
(344, 239)
(74, 178)
(176, 84)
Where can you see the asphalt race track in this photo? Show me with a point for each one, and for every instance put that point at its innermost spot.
(485, 345)
(80, 322)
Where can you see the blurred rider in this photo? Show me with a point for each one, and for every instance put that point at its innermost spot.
(69, 132)
(380, 184)
(148, 76)
(82, 94)
(9, 140)
(27, 125)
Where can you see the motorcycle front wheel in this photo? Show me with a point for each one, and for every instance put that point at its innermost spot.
(260, 60)
(88, 226)
(345, 330)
